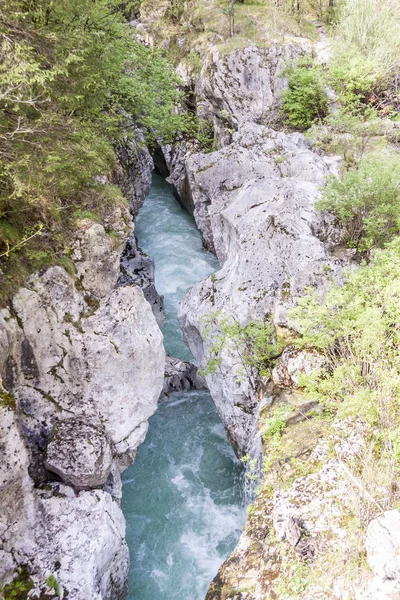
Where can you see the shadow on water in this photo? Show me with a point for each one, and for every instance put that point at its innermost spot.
(182, 498)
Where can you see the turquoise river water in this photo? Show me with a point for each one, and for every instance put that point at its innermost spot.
(182, 498)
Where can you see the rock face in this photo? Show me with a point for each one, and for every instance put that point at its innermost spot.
(254, 204)
(253, 200)
(81, 371)
(244, 85)
(232, 90)
(137, 268)
(135, 168)
(181, 376)
(383, 554)
(101, 244)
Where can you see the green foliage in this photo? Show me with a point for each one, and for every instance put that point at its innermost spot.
(349, 134)
(252, 471)
(357, 328)
(20, 586)
(53, 584)
(72, 79)
(7, 399)
(367, 51)
(274, 425)
(305, 100)
(254, 346)
(366, 201)
(353, 78)
(205, 135)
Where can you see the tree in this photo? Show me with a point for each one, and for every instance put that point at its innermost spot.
(69, 71)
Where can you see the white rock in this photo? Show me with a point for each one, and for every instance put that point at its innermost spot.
(383, 546)
(254, 204)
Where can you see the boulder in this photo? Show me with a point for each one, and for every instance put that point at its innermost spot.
(80, 453)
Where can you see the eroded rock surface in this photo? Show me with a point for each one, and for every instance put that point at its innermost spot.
(138, 268)
(244, 85)
(80, 453)
(254, 204)
(180, 376)
(81, 371)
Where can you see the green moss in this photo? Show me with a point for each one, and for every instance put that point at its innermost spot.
(20, 586)
(92, 302)
(7, 400)
(76, 324)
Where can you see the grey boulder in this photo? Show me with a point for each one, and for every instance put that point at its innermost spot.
(80, 453)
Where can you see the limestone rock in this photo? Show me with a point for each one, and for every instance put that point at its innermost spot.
(17, 500)
(76, 353)
(181, 376)
(62, 359)
(292, 531)
(80, 453)
(138, 268)
(135, 168)
(96, 251)
(383, 546)
(244, 85)
(97, 566)
(293, 363)
(254, 204)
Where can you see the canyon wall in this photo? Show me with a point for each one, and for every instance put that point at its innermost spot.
(82, 367)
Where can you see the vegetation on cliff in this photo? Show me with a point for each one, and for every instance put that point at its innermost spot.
(69, 73)
(357, 328)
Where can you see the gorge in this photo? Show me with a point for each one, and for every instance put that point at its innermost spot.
(182, 498)
(155, 360)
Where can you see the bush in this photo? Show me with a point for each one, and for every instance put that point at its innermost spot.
(357, 328)
(69, 72)
(348, 134)
(367, 52)
(254, 346)
(305, 100)
(366, 201)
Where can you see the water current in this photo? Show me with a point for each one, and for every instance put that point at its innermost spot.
(182, 497)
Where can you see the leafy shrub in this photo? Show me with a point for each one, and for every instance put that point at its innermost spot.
(305, 100)
(254, 346)
(349, 134)
(275, 424)
(20, 586)
(367, 52)
(366, 201)
(353, 76)
(357, 328)
(53, 584)
(70, 72)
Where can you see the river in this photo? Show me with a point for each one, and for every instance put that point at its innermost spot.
(183, 496)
